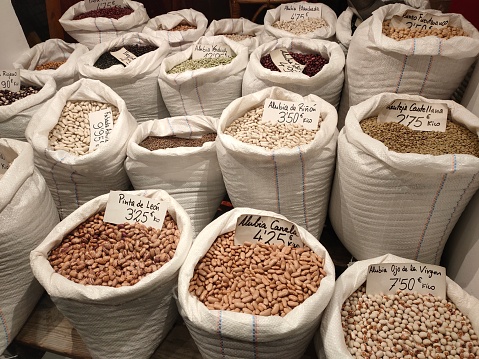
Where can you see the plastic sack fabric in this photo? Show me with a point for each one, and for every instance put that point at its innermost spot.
(228, 334)
(136, 83)
(116, 323)
(74, 180)
(27, 214)
(191, 175)
(406, 204)
(294, 182)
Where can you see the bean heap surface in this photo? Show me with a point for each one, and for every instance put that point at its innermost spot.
(8, 97)
(72, 132)
(399, 138)
(111, 13)
(314, 62)
(238, 37)
(406, 325)
(203, 63)
(50, 65)
(302, 26)
(115, 255)
(182, 26)
(404, 34)
(156, 143)
(107, 60)
(256, 278)
(250, 129)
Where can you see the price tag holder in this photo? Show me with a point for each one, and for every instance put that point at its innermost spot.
(268, 230)
(387, 278)
(102, 4)
(413, 19)
(123, 55)
(285, 62)
(4, 164)
(10, 80)
(101, 125)
(297, 12)
(417, 115)
(124, 207)
(306, 114)
(214, 51)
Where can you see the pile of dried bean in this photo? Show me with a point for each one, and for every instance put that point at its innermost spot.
(302, 26)
(111, 13)
(404, 34)
(50, 65)
(314, 62)
(182, 26)
(107, 60)
(156, 143)
(8, 97)
(238, 37)
(203, 63)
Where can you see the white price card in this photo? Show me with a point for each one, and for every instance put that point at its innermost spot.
(285, 62)
(213, 51)
(305, 114)
(299, 11)
(101, 125)
(268, 230)
(388, 278)
(4, 165)
(10, 80)
(123, 55)
(124, 207)
(417, 115)
(413, 19)
(102, 4)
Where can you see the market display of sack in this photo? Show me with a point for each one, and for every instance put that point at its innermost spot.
(191, 175)
(92, 31)
(55, 58)
(75, 179)
(203, 91)
(128, 321)
(27, 215)
(300, 28)
(230, 334)
(137, 82)
(406, 204)
(330, 340)
(15, 116)
(296, 181)
(326, 83)
(178, 28)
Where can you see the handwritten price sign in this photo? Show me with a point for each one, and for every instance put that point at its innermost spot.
(102, 4)
(123, 55)
(285, 62)
(101, 125)
(306, 114)
(297, 12)
(10, 80)
(413, 19)
(214, 51)
(4, 165)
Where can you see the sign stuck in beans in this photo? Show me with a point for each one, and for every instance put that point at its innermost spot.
(311, 63)
(123, 55)
(213, 51)
(295, 12)
(413, 19)
(4, 165)
(285, 62)
(101, 125)
(102, 4)
(10, 80)
(289, 112)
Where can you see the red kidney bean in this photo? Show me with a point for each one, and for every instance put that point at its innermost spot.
(314, 62)
(111, 12)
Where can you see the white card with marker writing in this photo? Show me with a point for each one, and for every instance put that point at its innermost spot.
(102, 4)
(299, 11)
(10, 80)
(282, 112)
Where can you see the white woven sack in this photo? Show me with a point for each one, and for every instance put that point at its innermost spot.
(136, 83)
(27, 214)
(191, 175)
(227, 334)
(14, 118)
(160, 27)
(329, 340)
(326, 84)
(116, 323)
(401, 203)
(205, 91)
(295, 182)
(53, 50)
(240, 26)
(74, 180)
(93, 31)
(326, 32)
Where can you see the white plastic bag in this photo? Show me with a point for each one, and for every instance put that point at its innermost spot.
(401, 203)
(14, 118)
(227, 334)
(191, 175)
(296, 181)
(93, 31)
(27, 215)
(116, 323)
(136, 83)
(205, 91)
(326, 84)
(160, 27)
(329, 340)
(74, 180)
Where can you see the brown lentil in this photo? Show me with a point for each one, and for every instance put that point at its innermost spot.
(406, 325)
(156, 143)
(404, 34)
(314, 62)
(302, 26)
(182, 26)
(238, 37)
(399, 138)
(111, 12)
(8, 97)
(115, 255)
(106, 60)
(256, 278)
(203, 63)
(50, 65)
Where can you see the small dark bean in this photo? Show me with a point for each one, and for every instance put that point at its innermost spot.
(314, 62)
(9, 97)
(111, 12)
(156, 143)
(107, 60)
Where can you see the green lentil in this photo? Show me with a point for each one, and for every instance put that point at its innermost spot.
(153, 143)
(204, 63)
